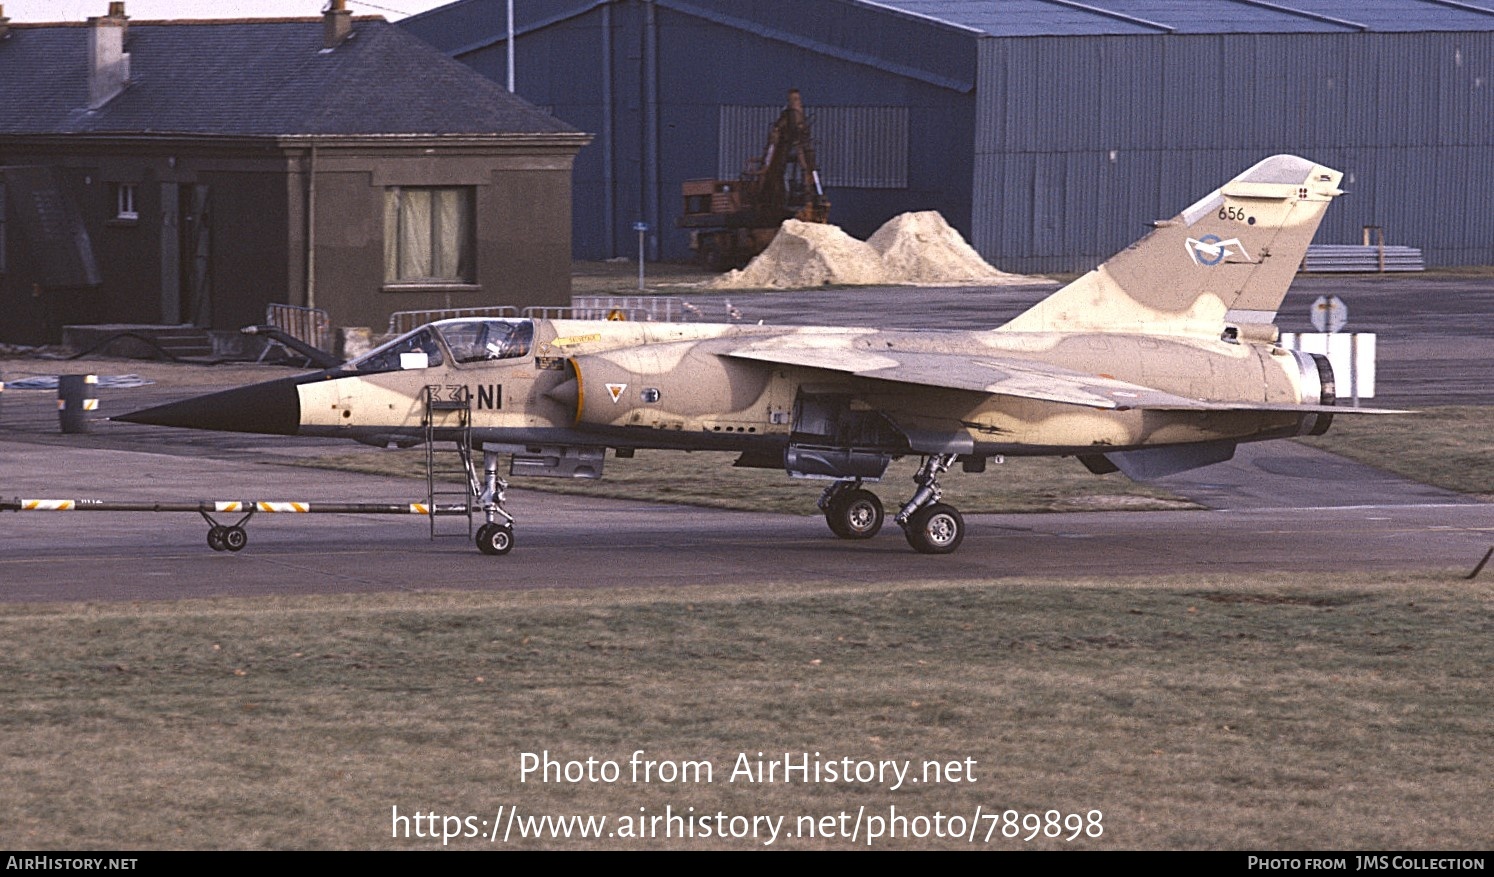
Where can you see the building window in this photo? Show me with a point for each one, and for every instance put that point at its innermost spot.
(124, 201)
(428, 235)
(2, 226)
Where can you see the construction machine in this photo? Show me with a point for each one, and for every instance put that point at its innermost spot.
(730, 221)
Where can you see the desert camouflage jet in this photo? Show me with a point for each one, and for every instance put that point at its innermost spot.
(1162, 359)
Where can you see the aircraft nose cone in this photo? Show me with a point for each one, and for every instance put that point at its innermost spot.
(271, 408)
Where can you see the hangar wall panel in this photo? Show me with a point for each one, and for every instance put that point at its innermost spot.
(1050, 152)
(1080, 141)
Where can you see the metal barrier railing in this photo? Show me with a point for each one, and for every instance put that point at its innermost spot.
(652, 308)
(550, 312)
(310, 325)
(634, 308)
(401, 322)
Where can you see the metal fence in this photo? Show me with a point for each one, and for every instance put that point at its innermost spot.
(631, 315)
(310, 325)
(649, 308)
(633, 308)
(401, 322)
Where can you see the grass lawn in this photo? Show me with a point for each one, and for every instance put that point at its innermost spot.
(1266, 712)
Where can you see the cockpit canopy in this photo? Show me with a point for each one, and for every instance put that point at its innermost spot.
(485, 340)
(460, 341)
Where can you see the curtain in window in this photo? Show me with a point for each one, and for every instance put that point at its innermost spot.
(427, 234)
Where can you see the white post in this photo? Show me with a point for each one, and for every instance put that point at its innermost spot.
(510, 46)
(1354, 367)
(642, 229)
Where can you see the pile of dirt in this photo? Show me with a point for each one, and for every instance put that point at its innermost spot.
(912, 248)
(923, 248)
(805, 254)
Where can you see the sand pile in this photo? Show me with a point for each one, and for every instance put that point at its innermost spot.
(805, 254)
(909, 248)
(923, 248)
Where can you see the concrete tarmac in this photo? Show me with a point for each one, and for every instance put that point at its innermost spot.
(582, 542)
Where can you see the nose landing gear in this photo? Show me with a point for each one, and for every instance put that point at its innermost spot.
(496, 537)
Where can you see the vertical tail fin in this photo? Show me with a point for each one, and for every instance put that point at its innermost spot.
(1229, 258)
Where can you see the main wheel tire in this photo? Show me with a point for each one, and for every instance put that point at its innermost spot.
(215, 538)
(235, 538)
(495, 539)
(935, 529)
(855, 514)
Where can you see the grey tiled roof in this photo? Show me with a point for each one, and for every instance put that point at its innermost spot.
(255, 78)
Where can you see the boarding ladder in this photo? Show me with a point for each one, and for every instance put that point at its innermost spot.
(447, 411)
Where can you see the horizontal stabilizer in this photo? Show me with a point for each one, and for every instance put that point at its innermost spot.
(1149, 463)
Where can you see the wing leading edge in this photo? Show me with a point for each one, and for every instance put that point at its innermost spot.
(1004, 376)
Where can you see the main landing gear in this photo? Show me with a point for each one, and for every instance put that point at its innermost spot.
(497, 535)
(851, 512)
(931, 526)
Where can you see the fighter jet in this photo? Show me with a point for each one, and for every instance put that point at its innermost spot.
(1162, 359)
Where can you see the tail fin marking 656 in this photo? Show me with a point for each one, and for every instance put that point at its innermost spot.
(1228, 258)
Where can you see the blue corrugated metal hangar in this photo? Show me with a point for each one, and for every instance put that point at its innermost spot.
(1048, 131)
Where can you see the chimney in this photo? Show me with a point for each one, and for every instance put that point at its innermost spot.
(108, 63)
(337, 23)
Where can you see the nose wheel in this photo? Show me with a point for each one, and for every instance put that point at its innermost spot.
(495, 538)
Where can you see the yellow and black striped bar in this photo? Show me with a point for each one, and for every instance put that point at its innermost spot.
(232, 506)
